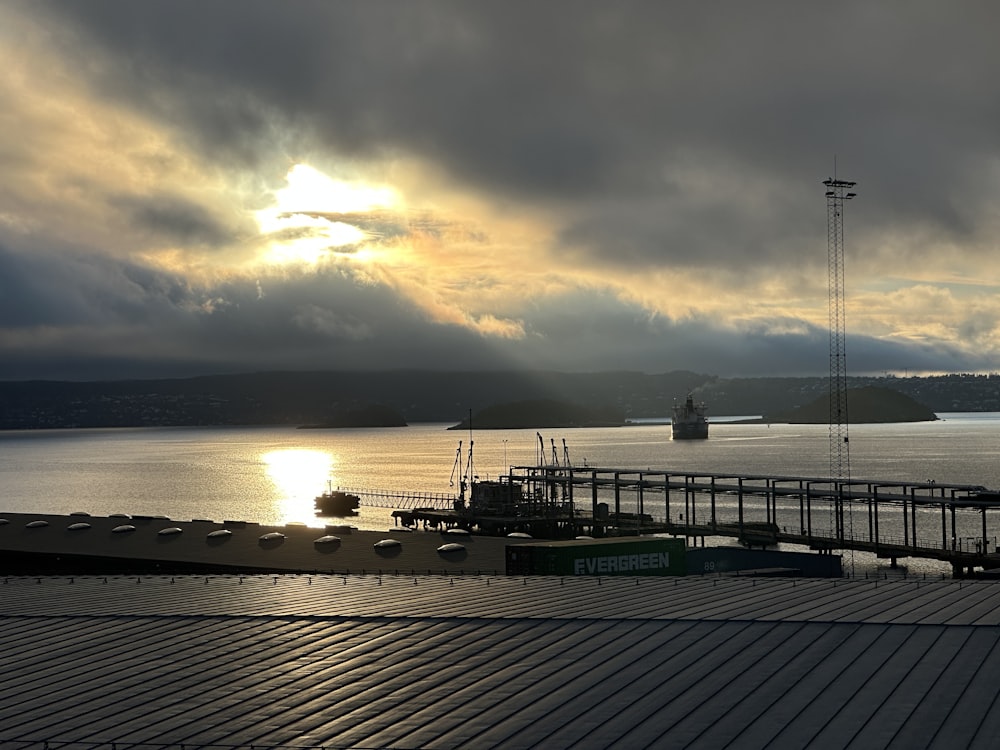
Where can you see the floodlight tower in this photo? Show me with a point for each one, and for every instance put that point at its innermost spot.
(837, 192)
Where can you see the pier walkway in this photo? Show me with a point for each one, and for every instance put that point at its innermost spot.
(402, 500)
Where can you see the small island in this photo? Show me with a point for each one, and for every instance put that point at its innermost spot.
(869, 405)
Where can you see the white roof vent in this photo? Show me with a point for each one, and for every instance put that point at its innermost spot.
(168, 532)
(218, 533)
(272, 536)
(123, 529)
(35, 524)
(328, 539)
(451, 547)
(78, 526)
(388, 543)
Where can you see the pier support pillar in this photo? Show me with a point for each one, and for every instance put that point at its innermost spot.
(956, 570)
(892, 562)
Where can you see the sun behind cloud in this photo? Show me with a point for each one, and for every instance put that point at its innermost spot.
(302, 224)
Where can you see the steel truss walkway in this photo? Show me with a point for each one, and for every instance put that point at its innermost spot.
(890, 519)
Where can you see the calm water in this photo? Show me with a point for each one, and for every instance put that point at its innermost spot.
(271, 475)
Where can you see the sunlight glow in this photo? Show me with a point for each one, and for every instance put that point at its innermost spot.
(299, 475)
(311, 191)
(303, 223)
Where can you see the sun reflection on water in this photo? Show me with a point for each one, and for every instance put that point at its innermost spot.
(299, 475)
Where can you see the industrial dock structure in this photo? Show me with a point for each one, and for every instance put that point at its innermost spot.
(952, 523)
(955, 524)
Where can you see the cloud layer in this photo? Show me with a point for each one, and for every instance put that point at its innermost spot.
(562, 185)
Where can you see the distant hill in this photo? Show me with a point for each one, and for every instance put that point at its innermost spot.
(298, 398)
(539, 413)
(869, 405)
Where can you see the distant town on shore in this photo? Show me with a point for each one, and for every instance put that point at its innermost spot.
(339, 399)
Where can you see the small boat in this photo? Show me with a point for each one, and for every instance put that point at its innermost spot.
(690, 421)
(337, 503)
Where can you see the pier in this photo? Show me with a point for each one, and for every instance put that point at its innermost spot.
(952, 523)
(395, 499)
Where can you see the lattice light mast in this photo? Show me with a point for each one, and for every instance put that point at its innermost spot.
(837, 192)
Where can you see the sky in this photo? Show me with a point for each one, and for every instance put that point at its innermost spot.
(199, 187)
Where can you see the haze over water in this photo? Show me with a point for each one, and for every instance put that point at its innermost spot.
(271, 475)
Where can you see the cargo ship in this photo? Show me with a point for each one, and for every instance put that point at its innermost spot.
(690, 421)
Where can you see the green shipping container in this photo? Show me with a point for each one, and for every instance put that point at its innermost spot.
(626, 556)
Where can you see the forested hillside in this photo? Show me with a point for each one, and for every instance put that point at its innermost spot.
(420, 396)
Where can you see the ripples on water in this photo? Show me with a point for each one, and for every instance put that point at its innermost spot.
(271, 475)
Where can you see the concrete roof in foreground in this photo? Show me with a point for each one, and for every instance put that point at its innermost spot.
(417, 661)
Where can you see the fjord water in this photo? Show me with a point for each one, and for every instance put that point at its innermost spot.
(271, 474)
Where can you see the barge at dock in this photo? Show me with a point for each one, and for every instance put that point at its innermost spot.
(518, 505)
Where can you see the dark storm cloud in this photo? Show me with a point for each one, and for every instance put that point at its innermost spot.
(173, 217)
(329, 320)
(574, 101)
(110, 319)
(322, 320)
(67, 287)
(25, 296)
(669, 136)
(513, 95)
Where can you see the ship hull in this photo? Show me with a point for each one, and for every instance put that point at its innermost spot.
(690, 421)
(689, 431)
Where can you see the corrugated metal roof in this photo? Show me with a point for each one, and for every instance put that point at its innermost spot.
(439, 661)
(941, 602)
